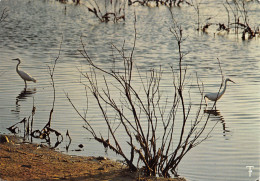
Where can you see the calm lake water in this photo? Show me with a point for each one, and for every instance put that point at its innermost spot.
(33, 31)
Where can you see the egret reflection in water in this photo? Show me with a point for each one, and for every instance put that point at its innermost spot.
(22, 96)
(219, 118)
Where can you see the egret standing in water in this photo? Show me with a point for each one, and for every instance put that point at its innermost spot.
(216, 96)
(25, 76)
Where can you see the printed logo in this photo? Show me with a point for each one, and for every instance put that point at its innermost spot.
(250, 170)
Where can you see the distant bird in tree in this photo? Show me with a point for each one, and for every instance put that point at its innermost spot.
(25, 76)
(218, 95)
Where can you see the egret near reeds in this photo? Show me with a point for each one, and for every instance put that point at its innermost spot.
(216, 96)
(24, 75)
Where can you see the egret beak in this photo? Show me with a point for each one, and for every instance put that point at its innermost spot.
(15, 59)
(232, 81)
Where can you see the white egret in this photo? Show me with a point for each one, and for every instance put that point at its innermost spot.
(25, 76)
(218, 95)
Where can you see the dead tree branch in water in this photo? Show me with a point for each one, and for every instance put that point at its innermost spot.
(110, 10)
(239, 9)
(4, 15)
(157, 3)
(237, 20)
(51, 72)
(47, 130)
(77, 2)
(196, 6)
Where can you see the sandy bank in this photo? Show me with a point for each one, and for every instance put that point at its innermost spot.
(27, 161)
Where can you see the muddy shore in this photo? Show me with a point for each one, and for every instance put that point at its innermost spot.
(27, 161)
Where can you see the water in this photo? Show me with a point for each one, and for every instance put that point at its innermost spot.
(33, 32)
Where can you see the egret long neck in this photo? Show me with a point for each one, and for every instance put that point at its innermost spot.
(223, 91)
(17, 66)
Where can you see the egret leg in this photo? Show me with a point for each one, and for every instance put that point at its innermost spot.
(25, 84)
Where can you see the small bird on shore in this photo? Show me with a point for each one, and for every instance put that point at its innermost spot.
(216, 96)
(24, 75)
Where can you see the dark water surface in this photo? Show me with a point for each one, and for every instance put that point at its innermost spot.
(34, 29)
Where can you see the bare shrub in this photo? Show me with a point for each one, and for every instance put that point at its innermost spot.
(159, 132)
